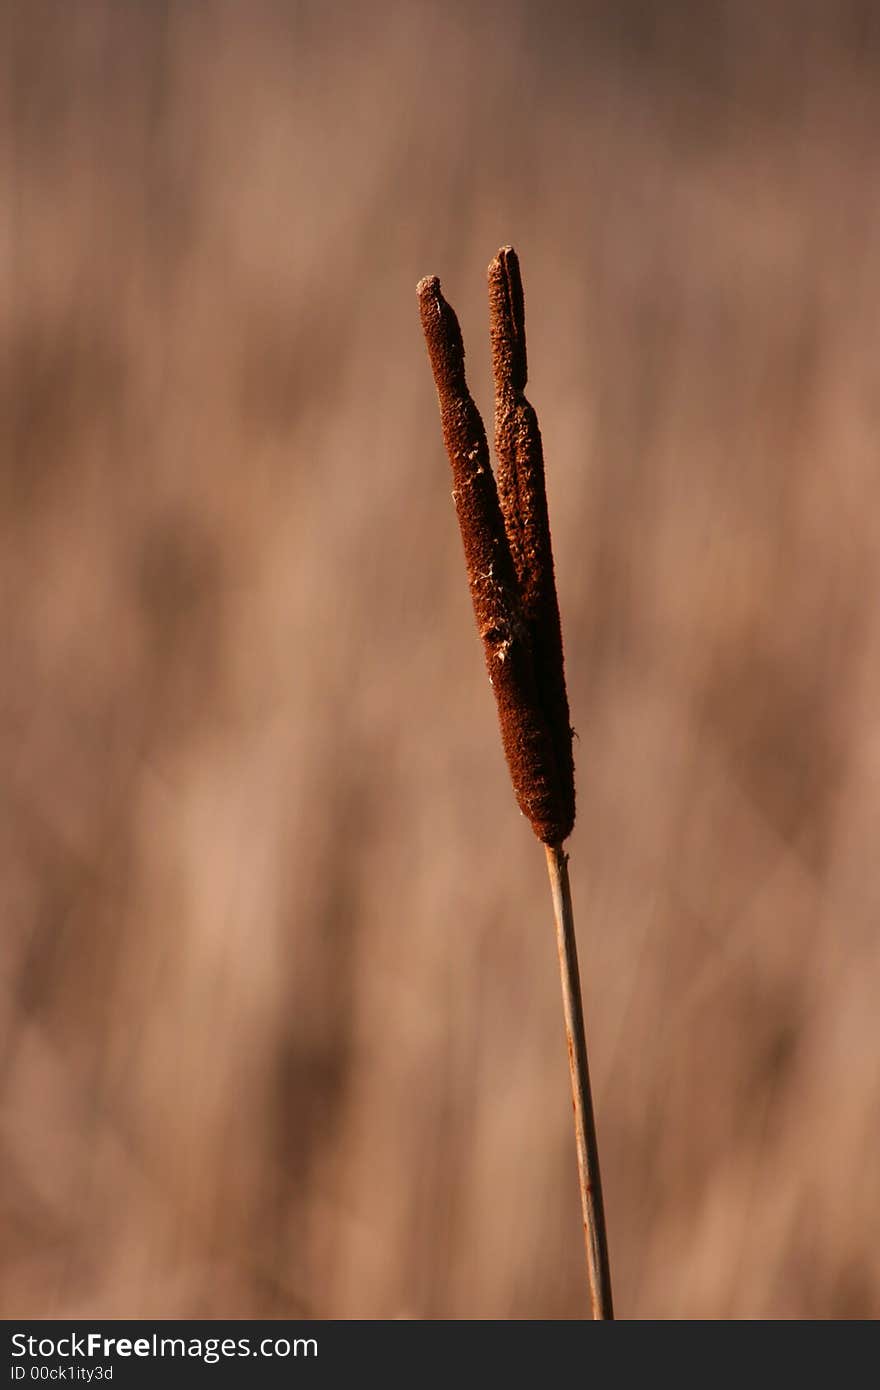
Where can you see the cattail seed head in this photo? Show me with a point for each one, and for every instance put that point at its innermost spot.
(523, 498)
(506, 539)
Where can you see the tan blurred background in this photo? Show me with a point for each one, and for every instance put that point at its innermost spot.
(280, 1029)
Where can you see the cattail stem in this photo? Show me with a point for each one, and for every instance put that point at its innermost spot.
(598, 1268)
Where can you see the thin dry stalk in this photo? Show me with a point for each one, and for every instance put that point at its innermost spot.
(590, 1178)
(505, 532)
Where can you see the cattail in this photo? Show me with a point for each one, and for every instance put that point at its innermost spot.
(524, 506)
(505, 531)
(499, 598)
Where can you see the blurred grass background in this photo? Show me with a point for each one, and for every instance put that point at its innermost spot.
(280, 1029)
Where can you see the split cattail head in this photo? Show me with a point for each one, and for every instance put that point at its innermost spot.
(508, 556)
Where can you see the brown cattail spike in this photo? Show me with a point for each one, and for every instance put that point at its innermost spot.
(523, 498)
(507, 320)
(506, 536)
(528, 743)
